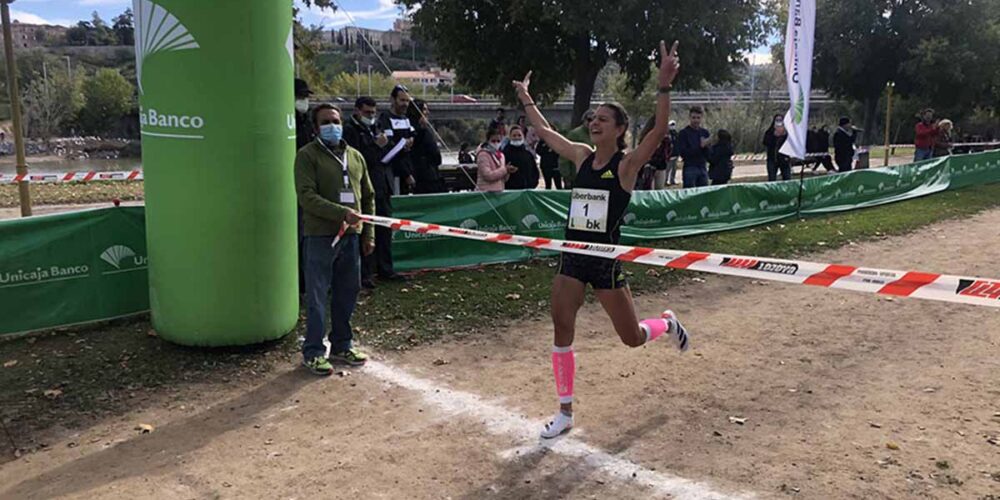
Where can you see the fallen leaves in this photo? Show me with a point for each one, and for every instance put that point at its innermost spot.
(10, 363)
(737, 420)
(144, 428)
(53, 393)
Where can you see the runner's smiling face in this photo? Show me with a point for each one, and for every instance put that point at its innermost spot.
(603, 129)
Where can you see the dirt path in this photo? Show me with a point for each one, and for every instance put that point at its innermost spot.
(826, 379)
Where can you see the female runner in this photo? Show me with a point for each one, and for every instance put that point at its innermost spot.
(606, 175)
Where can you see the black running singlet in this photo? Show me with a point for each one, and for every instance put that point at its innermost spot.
(597, 203)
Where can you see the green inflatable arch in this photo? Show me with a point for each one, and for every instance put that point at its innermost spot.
(218, 144)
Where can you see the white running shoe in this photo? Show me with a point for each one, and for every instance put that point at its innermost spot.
(677, 330)
(561, 424)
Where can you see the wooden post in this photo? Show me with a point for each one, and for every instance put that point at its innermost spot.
(15, 108)
(888, 120)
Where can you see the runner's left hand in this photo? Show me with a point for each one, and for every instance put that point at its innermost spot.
(670, 64)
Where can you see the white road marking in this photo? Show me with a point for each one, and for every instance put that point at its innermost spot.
(503, 422)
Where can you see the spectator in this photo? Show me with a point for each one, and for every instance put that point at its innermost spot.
(361, 134)
(774, 138)
(491, 167)
(943, 140)
(397, 128)
(517, 154)
(720, 158)
(818, 142)
(464, 156)
(304, 134)
(660, 161)
(926, 133)
(549, 160)
(843, 145)
(332, 185)
(530, 136)
(425, 155)
(499, 123)
(654, 173)
(580, 134)
(692, 146)
(672, 157)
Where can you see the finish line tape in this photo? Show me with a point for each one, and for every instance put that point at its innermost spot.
(132, 175)
(929, 286)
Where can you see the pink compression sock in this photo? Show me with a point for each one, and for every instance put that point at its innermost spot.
(564, 368)
(654, 328)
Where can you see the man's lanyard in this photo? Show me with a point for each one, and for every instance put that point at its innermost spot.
(343, 164)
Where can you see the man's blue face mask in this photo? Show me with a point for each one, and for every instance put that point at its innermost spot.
(331, 133)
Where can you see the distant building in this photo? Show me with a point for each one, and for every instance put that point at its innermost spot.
(29, 36)
(431, 78)
(402, 25)
(350, 39)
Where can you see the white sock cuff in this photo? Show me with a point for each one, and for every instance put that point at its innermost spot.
(568, 348)
(565, 400)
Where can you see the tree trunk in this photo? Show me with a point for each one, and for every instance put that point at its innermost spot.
(869, 136)
(587, 64)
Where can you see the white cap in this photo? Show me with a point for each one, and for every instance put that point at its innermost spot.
(673, 123)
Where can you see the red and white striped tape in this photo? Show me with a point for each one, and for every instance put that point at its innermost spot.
(131, 175)
(930, 286)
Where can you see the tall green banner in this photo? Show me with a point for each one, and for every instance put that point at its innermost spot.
(218, 135)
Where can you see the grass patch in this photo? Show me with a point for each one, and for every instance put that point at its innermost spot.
(74, 193)
(116, 367)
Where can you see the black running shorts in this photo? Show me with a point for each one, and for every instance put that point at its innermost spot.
(598, 272)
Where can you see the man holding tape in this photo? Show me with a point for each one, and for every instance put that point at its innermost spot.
(333, 188)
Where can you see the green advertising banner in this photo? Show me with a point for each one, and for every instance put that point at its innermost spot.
(91, 265)
(70, 268)
(218, 145)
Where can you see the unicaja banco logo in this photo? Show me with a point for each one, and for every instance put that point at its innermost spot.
(529, 220)
(469, 224)
(122, 257)
(157, 30)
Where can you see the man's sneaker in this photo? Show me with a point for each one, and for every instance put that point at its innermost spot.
(560, 424)
(318, 365)
(351, 357)
(677, 330)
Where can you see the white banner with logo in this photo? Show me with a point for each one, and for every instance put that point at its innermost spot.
(798, 67)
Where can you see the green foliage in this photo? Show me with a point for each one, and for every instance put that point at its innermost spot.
(942, 53)
(348, 84)
(491, 43)
(93, 32)
(109, 96)
(124, 28)
(50, 107)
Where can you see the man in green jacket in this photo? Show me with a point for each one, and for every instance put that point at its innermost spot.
(332, 184)
(579, 134)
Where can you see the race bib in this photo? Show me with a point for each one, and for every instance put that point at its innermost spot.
(347, 198)
(588, 210)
